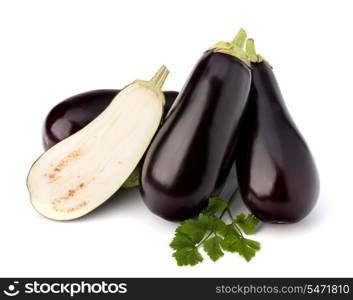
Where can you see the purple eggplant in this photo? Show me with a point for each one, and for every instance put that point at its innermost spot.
(277, 176)
(72, 114)
(194, 150)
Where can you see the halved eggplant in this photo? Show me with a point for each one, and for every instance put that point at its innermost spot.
(74, 113)
(81, 172)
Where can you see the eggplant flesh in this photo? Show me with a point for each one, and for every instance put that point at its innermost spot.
(74, 113)
(277, 175)
(84, 170)
(194, 149)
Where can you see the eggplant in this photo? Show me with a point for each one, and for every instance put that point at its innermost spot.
(74, 113)
(84, 170)
(277, 175)
(194, 149)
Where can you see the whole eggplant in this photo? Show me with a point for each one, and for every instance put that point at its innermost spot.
(74, 113)
(193, 151)
(277, 176)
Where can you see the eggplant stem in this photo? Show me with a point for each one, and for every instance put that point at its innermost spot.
(235, 48)
(239, 39)
(251, 51)
(158, 79)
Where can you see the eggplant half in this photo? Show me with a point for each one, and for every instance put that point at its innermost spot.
(193, 151)
(74, 113)
(277, 175)
(84, 170)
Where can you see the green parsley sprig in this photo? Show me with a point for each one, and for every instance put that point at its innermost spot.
(210, 232)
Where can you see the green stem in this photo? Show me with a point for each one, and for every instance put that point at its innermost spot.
(230, 214)
(158, 79)
(251, 51)
(240, 38)
(205, 238)
(234, 225)
(231, 198)
(235, 48)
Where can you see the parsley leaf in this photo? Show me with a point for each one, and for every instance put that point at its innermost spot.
(219, 226)
(205, 222)
(248, 248)
(234, 242)
(248, 224)
(181, 241)
(212, 223)
(187, 256)
(212, 247)
(231, 239)
(194, 229)
(215, 205)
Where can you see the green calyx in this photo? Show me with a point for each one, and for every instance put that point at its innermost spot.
(251, 52)
(234, 48)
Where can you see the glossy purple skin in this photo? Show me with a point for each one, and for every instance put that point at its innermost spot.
(72, 114)
(277, 176)
(195, 146)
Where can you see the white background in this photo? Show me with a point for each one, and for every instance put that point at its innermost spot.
(50, 50)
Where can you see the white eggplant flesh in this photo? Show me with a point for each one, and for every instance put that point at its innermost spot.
(84, 170)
